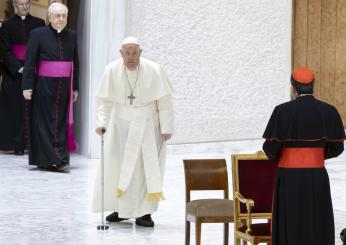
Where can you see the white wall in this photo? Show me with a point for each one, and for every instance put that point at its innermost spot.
(228, 59)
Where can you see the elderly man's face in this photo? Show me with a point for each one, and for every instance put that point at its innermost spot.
(22, 7)
(58, 18)
(131, 54)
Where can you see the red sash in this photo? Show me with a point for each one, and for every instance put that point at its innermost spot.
(302, 158)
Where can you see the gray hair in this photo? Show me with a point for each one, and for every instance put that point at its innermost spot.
(55, 6)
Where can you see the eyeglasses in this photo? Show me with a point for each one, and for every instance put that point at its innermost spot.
(59, 16)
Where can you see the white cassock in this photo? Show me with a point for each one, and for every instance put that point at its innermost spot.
(134, 149)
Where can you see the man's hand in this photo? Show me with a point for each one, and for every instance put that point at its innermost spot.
(100, 130)
(27, 94)
(166, 137)
(75, 95)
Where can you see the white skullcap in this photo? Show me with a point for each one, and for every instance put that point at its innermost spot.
(130, 40)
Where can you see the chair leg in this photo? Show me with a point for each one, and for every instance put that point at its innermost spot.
(236, 240)
(225, 233)
(198, 232)
(187, 233)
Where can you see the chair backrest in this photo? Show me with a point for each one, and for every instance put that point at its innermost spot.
(205, 174)
(253, 178)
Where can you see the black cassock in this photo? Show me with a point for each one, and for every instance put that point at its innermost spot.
(13, 109)
(302, 205)
(48, 129)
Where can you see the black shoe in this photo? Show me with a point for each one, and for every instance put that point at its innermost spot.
(64, 168)
(114, 218)
(47, 168)
(19, 153)
(145, 221)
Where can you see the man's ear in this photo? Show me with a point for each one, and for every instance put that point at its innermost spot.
(121, 52)
(293, 92)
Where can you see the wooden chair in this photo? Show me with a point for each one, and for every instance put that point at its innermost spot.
(253, 187)
(201, 175)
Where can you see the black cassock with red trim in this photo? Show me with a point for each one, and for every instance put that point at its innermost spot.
(299, 136)
(49, 106)
(14, 112)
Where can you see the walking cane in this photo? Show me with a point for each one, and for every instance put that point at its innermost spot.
(103, 226)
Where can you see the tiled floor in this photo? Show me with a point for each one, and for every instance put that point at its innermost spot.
(53, 208)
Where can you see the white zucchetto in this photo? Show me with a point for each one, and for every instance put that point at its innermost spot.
(130, 40)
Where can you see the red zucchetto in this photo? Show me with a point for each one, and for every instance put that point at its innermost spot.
(303, 75)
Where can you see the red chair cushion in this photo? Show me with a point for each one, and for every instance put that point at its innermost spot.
(261, 229)
(256, 181)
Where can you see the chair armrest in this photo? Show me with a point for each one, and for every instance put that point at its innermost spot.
(249, 204)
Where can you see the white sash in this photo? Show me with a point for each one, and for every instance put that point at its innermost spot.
(140, 139)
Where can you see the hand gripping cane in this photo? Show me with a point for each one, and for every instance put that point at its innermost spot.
(103, 226)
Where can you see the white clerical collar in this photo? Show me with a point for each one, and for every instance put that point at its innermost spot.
(23, 17)
(302, 95)
(57, 30)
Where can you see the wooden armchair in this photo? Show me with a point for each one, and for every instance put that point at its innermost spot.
(203, 174)
(253, 187)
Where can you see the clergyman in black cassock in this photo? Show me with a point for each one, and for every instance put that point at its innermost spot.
(299, 136)
(50, 47)
(14, 112)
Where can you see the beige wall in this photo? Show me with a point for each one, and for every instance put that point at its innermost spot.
(2, 9)
(36, 10)
(319, 41)
(39, 11)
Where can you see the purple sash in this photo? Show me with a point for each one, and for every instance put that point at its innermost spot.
(62, 69)
(19, 51)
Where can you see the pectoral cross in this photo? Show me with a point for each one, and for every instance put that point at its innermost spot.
(131, 98)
